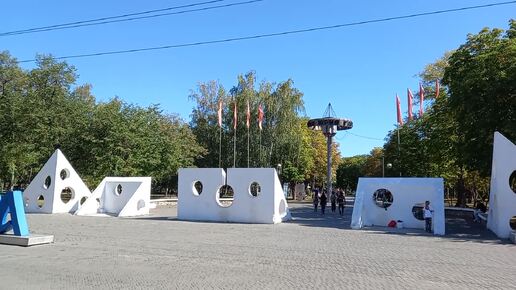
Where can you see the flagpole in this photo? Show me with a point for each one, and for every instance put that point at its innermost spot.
(220, 146)
(399, 149)
(247, 147)
(234, 148)
(260, 149)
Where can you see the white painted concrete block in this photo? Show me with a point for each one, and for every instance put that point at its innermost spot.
(502, 200)
(56, 175)
(407, 192)
(119, 196)
(268, 206)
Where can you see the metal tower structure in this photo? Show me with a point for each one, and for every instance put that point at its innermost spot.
(329, 124)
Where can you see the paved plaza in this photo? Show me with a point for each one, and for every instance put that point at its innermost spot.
(310, 252)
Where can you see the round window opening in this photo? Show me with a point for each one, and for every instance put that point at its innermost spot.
(383, 198)
(512, 181)
(118, 189)
(255, 189)
(64, 174)
(417, 211)
(512, 223)
(225, 196)
(67, 194)
(197, 188)
(41, 201)
(47, 183)
(83, 200)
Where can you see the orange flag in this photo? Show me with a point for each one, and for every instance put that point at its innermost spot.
(248, 121)
(410, 99)
(421, 99)
(260, 116)
(235, 117)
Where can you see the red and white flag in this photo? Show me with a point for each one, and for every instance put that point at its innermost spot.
(248, 121)
(410, 100)
(421, 99)
(398, 109)
(220, 113)
(260, 116)
(436, 89)
(235, 117)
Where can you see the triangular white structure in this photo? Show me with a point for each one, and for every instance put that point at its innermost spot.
(57, 188)
(502, 200)
(119, 196)
(258, 195)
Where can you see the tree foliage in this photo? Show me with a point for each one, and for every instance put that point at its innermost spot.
(43, 108)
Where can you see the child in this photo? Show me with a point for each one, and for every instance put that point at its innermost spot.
(427, 214)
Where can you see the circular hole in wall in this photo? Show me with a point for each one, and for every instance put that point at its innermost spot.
(225, 196)
(64, 174)
(67, 194)
(83, 200)
(47, 182)
(512, 223)
(255, 189)
(41, 201)
(197, 188)
(512, 181)
(383, 198)
(118, 189)
(417, 211)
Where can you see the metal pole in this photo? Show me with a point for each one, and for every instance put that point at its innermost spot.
(399, 150)
(328, 177)
(234, 148)
(247, 147)
(220, 147)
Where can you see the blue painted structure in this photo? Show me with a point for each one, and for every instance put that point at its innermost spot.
(12, 204)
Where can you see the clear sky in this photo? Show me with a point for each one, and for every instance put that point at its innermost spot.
(358, 69)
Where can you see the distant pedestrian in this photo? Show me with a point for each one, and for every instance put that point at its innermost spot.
(427, 214)
(333, 200)
(316, 200)
(341, 200)
(323, 201)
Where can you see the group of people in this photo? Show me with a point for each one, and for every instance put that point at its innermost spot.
(337, 197)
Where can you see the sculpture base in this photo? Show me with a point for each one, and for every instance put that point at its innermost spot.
(26, 241)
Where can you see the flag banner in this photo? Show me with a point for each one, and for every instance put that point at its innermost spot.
(410, 100)
(437, 88)
(421, 99)
(220, 113)
(398, 109)
(248, 120)
(235, 117)
(260, 116)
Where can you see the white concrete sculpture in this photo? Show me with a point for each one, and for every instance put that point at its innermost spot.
(119, 196)
(57, 188)
(502, 200)
(407, 193)
(267, 205)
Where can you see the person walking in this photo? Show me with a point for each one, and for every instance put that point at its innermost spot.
(323, 201)
(315, 199)
(341, 200)
(427, 214)
(333, 200)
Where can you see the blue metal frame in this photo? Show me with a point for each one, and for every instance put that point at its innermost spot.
(12, 204)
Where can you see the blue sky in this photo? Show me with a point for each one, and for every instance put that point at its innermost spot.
(358, 69)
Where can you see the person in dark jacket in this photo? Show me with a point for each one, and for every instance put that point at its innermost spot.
(323, 201)
(341, 200)
(316, 200)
